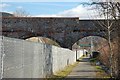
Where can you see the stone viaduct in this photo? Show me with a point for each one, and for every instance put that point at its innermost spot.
(65, 31)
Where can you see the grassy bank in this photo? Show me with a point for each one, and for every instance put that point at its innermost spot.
(101, 73)
(63, 73)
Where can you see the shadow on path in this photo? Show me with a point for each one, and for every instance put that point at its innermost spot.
(86, 59)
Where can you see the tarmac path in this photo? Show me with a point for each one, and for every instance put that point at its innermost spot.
(83, 70)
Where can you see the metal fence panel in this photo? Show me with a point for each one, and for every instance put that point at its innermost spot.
(13, 58)
(24, 59)
(1, 56)
(28, 54)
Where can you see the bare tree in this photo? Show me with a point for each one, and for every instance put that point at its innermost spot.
(21, 13)
(111, 12)
(112, 9)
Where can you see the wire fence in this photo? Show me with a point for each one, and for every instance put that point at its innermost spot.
(24, 59)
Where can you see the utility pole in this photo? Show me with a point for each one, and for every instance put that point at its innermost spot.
(92, 46)
(76, 54)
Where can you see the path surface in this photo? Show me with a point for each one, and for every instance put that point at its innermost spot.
(83, 70)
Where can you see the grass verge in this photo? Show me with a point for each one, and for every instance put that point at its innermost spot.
(63, 73)
(100, 73)
(93, 60)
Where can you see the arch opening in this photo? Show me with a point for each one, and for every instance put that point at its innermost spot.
(92, 44)
(88, 41)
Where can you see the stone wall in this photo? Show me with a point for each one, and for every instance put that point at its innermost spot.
(24, 59)
(65, 31)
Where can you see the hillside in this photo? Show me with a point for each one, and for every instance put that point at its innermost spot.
(4, 14)
(43, 40)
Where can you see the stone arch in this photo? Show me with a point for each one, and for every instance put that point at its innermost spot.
(65, 31)
(81, 35)
(97, 40)
(42, 37)
(87, 36)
